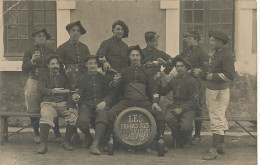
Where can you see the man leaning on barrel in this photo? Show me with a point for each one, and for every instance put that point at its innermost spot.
(137, 85)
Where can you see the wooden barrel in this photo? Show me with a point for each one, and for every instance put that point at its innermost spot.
(135, 128)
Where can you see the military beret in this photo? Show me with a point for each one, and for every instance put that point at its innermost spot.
(150, 36)
(82, 29)
(53, 56)
(125, 27)
(219, 35)
(136, 47)
(36, 31)
(178, 59)
(194, 34)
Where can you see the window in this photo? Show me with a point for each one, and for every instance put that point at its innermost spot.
(204, 16)
(21, 18)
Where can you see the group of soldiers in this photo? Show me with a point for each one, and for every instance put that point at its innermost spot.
(68, 83)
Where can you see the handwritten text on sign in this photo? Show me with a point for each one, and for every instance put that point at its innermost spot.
(135, 129)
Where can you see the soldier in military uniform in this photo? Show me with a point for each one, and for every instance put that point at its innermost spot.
(221, 72)
(55, 104)
(94, 100)
(34, 63)
(180, 115)
(199, 62)
(137, 85)
(72, 55)
(113, 51)
(151, 53)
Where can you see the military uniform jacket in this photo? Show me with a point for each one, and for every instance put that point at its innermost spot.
(138, 75)
(223, 69)
(71, 53)
(33, 71)
(197, 58)
(114, 51)
(94, 89)
(48, 81)
(185, 92)
(153, 55)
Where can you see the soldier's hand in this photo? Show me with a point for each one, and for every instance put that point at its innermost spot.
(156, 106)
(189, 71)
(197, 71)
(101, 106)
(161, 61)
(177, 111)
(35, 57)
(75, 97)
(157, 76)
(106, 66)
(209, 76)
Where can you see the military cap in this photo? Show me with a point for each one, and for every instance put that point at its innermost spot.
(150, 36)
(194, 34)
(82, 29)
(36, 31)
(88, 57)
(178, 59)
(219, 35)
(53, 56)
(136, 47)
(125, 27)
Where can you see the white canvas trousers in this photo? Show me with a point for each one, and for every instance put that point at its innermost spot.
(217, 102)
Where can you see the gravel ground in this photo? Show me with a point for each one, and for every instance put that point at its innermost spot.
(20, 150)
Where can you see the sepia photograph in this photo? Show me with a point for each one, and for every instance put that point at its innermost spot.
(128, 82)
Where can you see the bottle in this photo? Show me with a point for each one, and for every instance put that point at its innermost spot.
(111, 146)
(161, 147)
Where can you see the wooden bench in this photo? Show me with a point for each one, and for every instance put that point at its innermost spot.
(236, 120)
(4, 123)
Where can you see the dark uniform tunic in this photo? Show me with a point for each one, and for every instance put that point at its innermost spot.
(186, 97)
(153, 55)
(33, 71)
(223, 69)
(93, 89)
(138, 87)
(32, 96)
(115, 52)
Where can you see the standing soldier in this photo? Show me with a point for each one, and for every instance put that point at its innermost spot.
(113, 51)
(221, 72)
(55, 104)
(34, 63)
(95, 98)
(73, 54)
(199, 61)
(151, 53)
(180, 115)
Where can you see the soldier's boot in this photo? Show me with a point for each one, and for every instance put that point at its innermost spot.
(176, 139)
(212, 153)
(35, 125)
(221, 146)
(88, 139)
(94, 149)
(56, 129)
(196, 138)
(70, 130)
(44, 129)
(107, 134)
(186, 138)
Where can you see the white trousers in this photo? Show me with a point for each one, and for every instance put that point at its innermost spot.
(217, 102)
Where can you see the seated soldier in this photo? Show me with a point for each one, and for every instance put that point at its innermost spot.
(93, 91)
(180, 115)
(137, 85)
(55, 104)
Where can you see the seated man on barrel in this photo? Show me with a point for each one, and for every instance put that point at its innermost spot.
(56, 102)
(93, 91)
(139, 90)
(180, 115)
